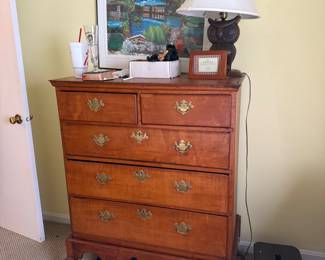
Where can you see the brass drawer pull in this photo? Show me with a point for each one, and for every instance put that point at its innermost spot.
(95, 105)
(139, 136)
(182, 186)
(144, 214)
(183, 228)
(103, 178)
(183, 146)
(183, 107)
(105, 215)
(100, 139)
(141, 175)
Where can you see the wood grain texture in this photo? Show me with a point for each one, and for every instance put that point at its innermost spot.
(210, 230)
(208, 192)
(207, 110)
(182, 82)
(148, 105)
(210, 149)
(116, 108)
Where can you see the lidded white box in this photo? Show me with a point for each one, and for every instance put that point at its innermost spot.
(155, 69)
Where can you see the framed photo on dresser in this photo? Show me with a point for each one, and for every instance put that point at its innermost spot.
(208, 65)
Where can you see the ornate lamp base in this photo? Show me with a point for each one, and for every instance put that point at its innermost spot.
(223, 34)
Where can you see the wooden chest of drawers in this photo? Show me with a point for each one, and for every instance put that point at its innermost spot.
(151, 167)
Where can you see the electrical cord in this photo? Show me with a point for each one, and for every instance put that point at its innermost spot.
(246, 173)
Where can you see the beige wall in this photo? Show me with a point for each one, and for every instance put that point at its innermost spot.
(284, 52)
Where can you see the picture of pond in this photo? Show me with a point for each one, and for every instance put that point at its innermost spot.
(144, 27)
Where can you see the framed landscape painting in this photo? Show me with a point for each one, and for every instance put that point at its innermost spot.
(135, 29)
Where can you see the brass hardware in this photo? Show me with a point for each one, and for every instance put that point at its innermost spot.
(103, 178)
(95, 105)
(182, 186)
(183, 106)
(105, 215)
(183, 228)
(29, 118)
(144, 214)
(139, 136)
(100, 139)
(141, 175)
(16, 119)
(183, 146)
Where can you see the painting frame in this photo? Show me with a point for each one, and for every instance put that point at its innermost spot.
(121, 61)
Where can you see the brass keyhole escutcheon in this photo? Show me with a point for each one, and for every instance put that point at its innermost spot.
(182, 146)
(182, 228)
(144, 214)
(182, 186)
(139, 136)
(105, 216)
(103, 178)
(95, 105)
(100, 139)
(141, 175)
(16, 119)
(183, 107)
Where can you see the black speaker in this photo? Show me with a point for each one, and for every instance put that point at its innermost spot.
(267, 251)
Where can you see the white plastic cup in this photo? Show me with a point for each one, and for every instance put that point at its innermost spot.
(79, 52)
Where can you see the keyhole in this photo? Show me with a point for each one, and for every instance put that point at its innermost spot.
(278, 257)
(134, 258)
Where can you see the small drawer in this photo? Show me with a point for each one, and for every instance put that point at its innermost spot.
(161, 187)
(100, 107)
(204, 234)
(182, 147)
(186, 110)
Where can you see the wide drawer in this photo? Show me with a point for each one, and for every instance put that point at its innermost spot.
(162, 187)
(184, 147)
(187, 110)
(101, 107)
(192, 232)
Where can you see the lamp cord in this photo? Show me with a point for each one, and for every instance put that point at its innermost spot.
(246, 173)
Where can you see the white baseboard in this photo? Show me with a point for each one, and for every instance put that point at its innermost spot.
(306, 254)
(56, 217)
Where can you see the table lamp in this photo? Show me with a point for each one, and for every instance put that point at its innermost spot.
(224, 31)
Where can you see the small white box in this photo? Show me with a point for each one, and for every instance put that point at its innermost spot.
(155, 69)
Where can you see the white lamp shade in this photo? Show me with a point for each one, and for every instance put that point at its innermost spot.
(200, 8)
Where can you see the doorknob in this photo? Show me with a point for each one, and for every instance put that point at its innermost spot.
(15, 119)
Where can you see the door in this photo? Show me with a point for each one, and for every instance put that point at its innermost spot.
(20, 207)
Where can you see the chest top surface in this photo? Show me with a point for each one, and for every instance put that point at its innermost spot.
(179, 83)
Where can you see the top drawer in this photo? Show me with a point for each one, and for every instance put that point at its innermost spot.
(101, 107)
(186, 110)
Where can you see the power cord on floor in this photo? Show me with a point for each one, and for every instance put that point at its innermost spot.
(246, 170)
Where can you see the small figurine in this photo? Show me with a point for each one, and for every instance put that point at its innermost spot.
(169, 55)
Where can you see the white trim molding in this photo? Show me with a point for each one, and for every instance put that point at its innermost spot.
(306, 254)
(56, 217)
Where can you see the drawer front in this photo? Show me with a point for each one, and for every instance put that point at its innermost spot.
(175, 229)
(194, 148)
(101, 107)
(188, 190)
(187, 110)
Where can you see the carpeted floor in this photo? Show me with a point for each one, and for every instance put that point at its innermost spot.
(17, 247)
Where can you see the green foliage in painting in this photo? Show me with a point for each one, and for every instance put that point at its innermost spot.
(156, 34)
(115, 41)
(194, 22)
(137, 19)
